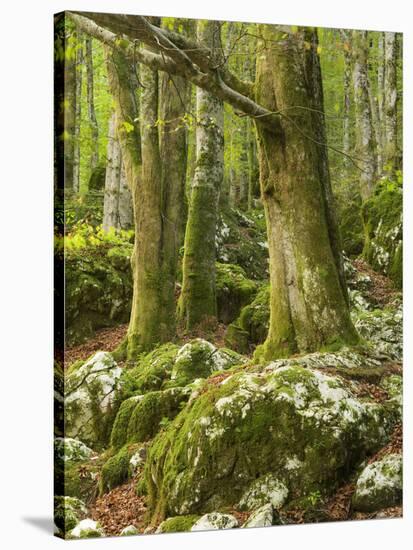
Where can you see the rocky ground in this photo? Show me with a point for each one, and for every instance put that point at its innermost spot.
(197, 436)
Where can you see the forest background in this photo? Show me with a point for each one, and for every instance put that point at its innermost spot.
(30, 261)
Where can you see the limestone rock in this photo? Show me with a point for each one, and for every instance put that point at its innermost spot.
(87, 529)
(263, 517)
(267, 489)
(215, 520)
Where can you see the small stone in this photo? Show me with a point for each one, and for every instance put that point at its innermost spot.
(215, 520)
(267, 489)
(87, 528)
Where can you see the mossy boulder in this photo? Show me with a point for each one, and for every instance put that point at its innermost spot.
(263, 517)
(304, 427)
(68, 449)
(264, 490)
(380, 485)
(383, 229)
(215, 520)
(383, 329)
(241, 240)
(58, 399)
(234, 291)
(251, 327)
(128, 531)
(90, 403)
(98, 290)
(119, 468)
(177, 524)
(87, 529)
(68, 512)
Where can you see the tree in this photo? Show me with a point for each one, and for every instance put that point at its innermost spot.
(308, 303)
(94, 157)
(117, 205)
(365, 138)
(198, 298)
(308, 307)
(78, 113)
(390, 102)
(69, 106)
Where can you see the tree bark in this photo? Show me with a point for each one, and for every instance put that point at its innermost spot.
(94, 158)
(198, 299)
(390, 102)
(117, 205)
(78, 114)
(346, 97)
(308, 307)
(69, 107)
(365, 139)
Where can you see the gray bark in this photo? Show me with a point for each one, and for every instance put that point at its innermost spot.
(94, 158)
(390, 101)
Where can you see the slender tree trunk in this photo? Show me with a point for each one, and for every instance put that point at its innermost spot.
(380, 100)
(78, 115)
(346, 96)
(365, 139)
(117, 205)
(69, 108)
(390, 101)
(198, 298)
(308, 305)
(94, 157)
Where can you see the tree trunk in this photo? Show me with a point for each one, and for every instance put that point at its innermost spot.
(309, 308)
(69, 107)
(94, 157)
(380, 99)
(390, 100)
(78, 115)
(198, 298)
(365, 139)
(347, 97)
(174, 97)
(117, 205)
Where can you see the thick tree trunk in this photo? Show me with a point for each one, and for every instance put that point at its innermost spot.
(309, 308)
(174, 97)
(78, 115)
(117, 205)
(365, 139)
(198, 298)
(390, 101)
(94, 158)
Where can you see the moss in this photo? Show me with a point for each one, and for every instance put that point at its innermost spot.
(68, 511)
(178, 524)
(301, 426)
(234, 291)
(382, 219)
(117, 469)
(81, 480)
(140, 417)
(252, 321)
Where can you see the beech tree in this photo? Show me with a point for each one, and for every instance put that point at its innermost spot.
(309, 308)
(94, 157)
(390, 102)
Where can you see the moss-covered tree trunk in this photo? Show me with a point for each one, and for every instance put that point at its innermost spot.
(117, 204)
(174, 98)
(308, 303)
(198, 298)
(78, 113)
(366, 147)
(390, 102)
(90, 90)
(69, 103)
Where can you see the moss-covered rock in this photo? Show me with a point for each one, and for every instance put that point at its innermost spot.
(234, 291)
(251, 327)
(383, 229)
(266, 489)
(87, 529)
(383, 329)
(98, 289)
(128, 531)
(68, 511)
(241, 240)
(58, 400)
(263, 517)
(141, 417)
(119, 468)
(380, 485)
(177, 524)
(304, 427)
(215, 520)
(71, 450)
(90, 391)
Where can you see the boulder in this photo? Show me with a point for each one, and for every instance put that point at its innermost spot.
(266, 489)
(177, 524)
(90, 398)
(304, 427)
(234, 291)
(71, 450)
(215, 520)
(128, 531)
(68, 511)
(87, 529)
(263, 517)
(379, 485)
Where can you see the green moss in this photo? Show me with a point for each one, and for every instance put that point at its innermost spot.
(234, 291)
(117, 469)
(178, 524)
(81, 480)
(68, 511)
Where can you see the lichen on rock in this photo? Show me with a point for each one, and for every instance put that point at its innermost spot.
(215, 520)
(68, 511)
(380, 484)
(87, 529)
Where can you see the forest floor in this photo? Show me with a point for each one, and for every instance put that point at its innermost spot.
(122, 507)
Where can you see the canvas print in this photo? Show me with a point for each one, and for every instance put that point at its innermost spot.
(228, 269)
